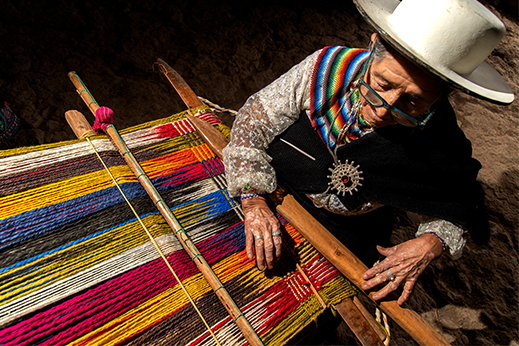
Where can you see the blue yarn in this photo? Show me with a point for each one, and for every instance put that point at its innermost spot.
(56, 215)
(37, 221)
(232, 240)
(34, 258)
(208, 206)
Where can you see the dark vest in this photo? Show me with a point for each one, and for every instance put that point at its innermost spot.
(428, 171)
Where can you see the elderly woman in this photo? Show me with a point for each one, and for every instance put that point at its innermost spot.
(354, 133)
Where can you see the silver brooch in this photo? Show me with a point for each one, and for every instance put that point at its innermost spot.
(345, 177)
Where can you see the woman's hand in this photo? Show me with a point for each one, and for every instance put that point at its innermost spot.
(405, 262)
(262, 232)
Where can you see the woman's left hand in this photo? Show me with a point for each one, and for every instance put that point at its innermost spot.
(405, 262)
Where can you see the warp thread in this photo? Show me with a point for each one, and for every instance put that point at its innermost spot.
(76, 270)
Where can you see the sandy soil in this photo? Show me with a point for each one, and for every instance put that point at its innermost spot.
(227, 51)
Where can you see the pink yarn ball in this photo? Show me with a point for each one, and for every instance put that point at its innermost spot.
(105, 115)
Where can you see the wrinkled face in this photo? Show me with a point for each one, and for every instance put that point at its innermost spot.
(401, 84)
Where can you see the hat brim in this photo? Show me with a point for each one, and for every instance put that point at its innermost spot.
(484, 82)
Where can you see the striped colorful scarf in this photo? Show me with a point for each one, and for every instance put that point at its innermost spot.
(335, 70)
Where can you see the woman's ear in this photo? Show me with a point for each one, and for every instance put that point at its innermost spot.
(372, 40)
(373, 37)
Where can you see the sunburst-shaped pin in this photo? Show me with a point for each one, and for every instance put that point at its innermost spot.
(345, 177)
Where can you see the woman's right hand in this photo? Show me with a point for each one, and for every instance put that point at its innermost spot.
(260, 223)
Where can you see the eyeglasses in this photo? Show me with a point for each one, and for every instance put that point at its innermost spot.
(396, 114)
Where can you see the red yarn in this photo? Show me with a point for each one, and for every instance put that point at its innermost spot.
(104, 117)
(167, 131)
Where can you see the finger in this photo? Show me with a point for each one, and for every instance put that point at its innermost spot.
(380, 268)
(260, 255)
(371, 273)
(269, 248)
(390, 287)
(278, 244)
(377, 280)
(249, 244)
(276, 238)
(386, 251)
(406, 292)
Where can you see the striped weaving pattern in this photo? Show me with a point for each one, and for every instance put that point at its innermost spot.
(76, 268)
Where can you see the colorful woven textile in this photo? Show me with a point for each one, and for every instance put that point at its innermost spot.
(9, 122)
(336, 68)
(76, 268)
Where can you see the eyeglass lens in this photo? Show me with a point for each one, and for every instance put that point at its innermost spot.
(376, 101)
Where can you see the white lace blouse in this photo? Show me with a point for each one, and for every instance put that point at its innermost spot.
(271, 111)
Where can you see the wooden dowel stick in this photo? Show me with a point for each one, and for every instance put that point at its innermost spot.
(374, 324)
(329, 246)
(363, 331)
(231, 307)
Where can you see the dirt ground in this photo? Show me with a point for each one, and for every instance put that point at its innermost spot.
(227, 51)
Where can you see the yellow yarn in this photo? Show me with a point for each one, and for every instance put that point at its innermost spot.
(66, 262)
(140, 317)
(77, 186)
(172, 118)
(332, 293)
(61, 191)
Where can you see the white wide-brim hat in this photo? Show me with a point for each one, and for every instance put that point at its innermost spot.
(450, 38)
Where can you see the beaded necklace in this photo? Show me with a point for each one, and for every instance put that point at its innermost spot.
(346, 177)
(356, 126)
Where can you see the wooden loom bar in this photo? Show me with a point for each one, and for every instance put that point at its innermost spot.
(377, 327)
(231, 307)
(329, 246)
(356, 321)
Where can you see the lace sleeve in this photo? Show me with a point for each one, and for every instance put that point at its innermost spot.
(265, 115)
(452, 235)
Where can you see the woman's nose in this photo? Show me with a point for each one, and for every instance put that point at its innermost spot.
(390, 97)
(383, 112)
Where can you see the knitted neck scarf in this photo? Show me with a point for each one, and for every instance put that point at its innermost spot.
(331, 103)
